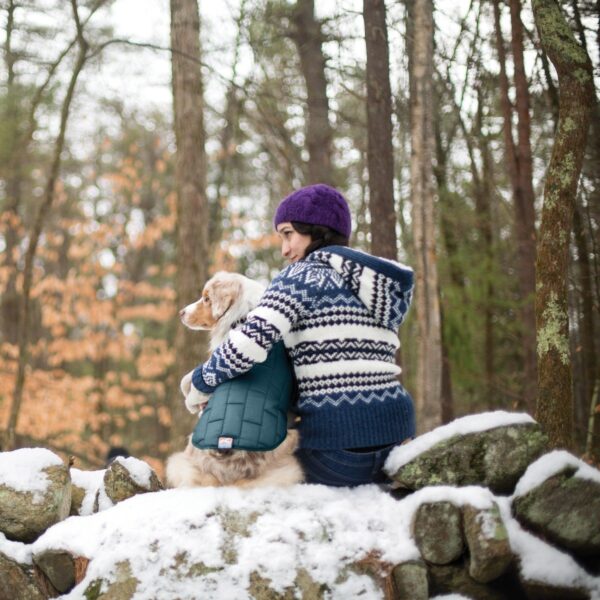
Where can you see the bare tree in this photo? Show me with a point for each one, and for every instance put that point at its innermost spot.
(379, 127)
(519, 167)
(192, 204)
(34, 237)
(308, 37)
(575, 76)
(429, 371)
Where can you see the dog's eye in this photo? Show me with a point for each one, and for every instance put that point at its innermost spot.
(206, 299)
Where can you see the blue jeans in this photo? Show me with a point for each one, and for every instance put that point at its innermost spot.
(343, 468)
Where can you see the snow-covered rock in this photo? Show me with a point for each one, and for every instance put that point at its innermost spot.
(127, 477)
(307, 541)
(490, 449)
(35, 492)
(490, 553)
(559, 499)
(85, 486)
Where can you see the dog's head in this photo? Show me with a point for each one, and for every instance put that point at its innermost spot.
(219, 294)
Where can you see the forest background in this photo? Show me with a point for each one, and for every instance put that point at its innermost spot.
(144, 146)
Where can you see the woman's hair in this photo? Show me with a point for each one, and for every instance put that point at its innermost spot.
(320, 235)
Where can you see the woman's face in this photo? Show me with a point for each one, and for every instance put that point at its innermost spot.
(293, 244)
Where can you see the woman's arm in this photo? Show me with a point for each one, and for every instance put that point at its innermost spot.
(282, 304)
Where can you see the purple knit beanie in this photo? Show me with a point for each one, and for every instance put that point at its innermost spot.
(317, 204)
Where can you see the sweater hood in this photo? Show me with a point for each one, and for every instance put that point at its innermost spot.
(384, 286)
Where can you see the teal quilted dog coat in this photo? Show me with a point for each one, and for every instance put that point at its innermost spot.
(250, 411)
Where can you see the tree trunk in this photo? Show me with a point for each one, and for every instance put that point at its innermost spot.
(192, 204)
(308, 38)
(483, 199)
(228, 139)
(587, 327)
(429, 370)
(555, 401)
(34, 238)
(518, 159)
(379, 128)
(13, 183)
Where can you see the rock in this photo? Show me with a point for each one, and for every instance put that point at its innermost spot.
(455, 579)
(41, 499)
(437, 530)
(495, 458)
(410, 581)
(122, 587)
(536, 590)
(565, 511)
(18, 581)
(77, 496)
(62, 569)
(128, 477)
(490, 554)
(304, 587)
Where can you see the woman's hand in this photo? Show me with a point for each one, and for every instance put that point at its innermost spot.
(195, 401)
(186, 383)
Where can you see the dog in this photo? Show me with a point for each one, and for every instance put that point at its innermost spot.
(226, 300)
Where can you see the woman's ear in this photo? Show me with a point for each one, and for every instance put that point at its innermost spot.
(222, 295)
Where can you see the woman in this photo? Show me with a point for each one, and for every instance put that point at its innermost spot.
(337, 311)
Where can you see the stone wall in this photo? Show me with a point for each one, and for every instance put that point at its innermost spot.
(485, 513)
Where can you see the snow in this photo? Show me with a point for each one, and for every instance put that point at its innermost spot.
(323, 531)
(16, 551)
(403, 454)
(91, 482)
(319, 529)
(549, 465)
(23, 470)
(139, 470)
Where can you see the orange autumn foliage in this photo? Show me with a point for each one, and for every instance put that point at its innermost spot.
(100, 350)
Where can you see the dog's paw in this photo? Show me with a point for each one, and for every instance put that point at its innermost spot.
(185, 385)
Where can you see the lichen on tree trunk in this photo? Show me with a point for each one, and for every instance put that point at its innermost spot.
(555, 400)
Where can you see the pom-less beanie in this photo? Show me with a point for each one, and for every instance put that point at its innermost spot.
(317, 204)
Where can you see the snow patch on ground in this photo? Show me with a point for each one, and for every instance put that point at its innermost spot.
(23, 470)
(403, 454)
(551, 464)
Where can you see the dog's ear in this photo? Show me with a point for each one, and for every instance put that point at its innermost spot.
(222, 295)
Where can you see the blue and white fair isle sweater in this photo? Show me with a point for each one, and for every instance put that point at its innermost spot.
(338, 313)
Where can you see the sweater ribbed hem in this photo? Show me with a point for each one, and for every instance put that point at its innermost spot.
(358, 426)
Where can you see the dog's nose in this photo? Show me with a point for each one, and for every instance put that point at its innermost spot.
(182, 312)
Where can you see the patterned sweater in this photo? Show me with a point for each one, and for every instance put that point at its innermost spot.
(338, 312)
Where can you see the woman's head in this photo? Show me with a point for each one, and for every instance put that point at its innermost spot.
(311, 218)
